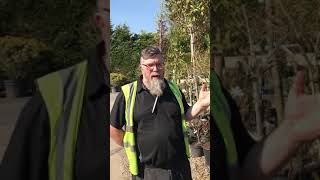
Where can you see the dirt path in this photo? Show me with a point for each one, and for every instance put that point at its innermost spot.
(118, 161)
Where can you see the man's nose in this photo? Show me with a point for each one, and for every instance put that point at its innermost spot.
(155, 68)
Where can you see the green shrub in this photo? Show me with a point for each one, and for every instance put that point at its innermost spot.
(117, 79)
(19, 56)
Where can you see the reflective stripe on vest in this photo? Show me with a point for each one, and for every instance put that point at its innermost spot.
(129, 91)
(63, 93)
(222, 115)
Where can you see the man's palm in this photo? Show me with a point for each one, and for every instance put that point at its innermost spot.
(204, 96)
(302, 113)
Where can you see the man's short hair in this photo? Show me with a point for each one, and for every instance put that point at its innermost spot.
(150, 52)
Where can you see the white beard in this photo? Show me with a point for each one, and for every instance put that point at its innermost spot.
(156, 87)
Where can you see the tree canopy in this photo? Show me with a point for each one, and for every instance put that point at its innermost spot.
(125, 50)
(65, 27)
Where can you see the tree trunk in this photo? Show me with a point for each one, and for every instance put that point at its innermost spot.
(257, 107)
(192, 42)
(278, 100)
(278, 96)
(255, 84)
(190, 89)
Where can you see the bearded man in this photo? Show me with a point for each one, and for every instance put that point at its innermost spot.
(148, 119)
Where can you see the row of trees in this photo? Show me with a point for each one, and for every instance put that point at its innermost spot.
(274, 38)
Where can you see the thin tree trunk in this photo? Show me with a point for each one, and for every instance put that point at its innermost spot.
(278, 99)
(192, 42)
(255, 84)
(190, 89)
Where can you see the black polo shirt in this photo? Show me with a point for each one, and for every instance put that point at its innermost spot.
(158, 135)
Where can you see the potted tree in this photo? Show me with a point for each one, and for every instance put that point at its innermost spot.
(19, 56)
(194, 139)
(205, 136)
(201, 130)
(116, 81)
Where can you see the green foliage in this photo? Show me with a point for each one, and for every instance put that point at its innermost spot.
(126, 48)
(189, 14)
(186, 18)
(20, 56)
(65, 26)
(178, 55)
(117, 79)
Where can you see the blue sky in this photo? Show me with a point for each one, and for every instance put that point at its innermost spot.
(137, 14)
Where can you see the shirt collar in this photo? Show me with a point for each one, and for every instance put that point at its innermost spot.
(140, 86)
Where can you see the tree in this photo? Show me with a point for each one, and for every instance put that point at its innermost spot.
(190, 18)
(126, 48)
(65, 26)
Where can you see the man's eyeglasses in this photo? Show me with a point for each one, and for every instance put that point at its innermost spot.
(151, 66)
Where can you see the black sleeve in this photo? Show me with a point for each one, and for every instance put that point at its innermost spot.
(184, 101)
(117, 118)
(26, 156)
(244, 141)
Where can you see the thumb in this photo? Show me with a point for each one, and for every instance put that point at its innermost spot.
(298, 84)
(295, 91)
(203, 87)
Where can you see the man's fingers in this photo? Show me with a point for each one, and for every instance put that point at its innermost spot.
(203, 87)
(297, 88)
(298, 83)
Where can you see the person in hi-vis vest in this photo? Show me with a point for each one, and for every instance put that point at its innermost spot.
(61, 133)
(149, 119)
(238, 157)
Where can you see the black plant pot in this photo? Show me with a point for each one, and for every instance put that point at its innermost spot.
(11, 88)
(115, 89)
(196, 150)
(25, 88)
(206, 152)
(207, 156)
(2, 89)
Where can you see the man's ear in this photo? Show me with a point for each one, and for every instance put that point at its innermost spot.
(97, 20)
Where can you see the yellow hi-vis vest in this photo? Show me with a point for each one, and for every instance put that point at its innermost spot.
(222, 115)
(63, 93)
(129, 91)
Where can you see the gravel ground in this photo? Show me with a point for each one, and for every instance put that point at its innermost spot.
(200, 171)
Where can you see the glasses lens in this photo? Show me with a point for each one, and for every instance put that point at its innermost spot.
(152, 67)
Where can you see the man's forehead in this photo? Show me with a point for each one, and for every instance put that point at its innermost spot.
(157, 58)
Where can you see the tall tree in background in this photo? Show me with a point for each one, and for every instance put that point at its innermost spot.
(191, 18)
(162, 24)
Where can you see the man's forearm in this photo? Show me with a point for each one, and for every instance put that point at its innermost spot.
(268, 156)
(117, 135)
(194, 111)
